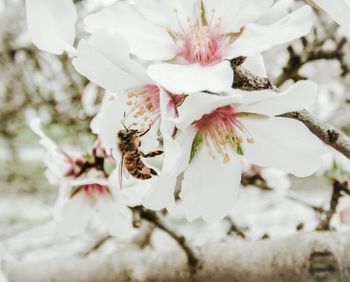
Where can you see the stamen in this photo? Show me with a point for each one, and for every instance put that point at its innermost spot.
(144, 103)
(223, 129)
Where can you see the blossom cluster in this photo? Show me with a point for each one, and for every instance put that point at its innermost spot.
(167, 68)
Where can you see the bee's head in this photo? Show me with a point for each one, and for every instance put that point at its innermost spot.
(125, 134)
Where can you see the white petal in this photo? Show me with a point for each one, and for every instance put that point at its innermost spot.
(255, 65)
(209, 188)
(150, 141)
(296, 97)
(258, 38)
(115, 48)
(168, 14)
(167, 112)
(162, 193)
(109, 122)
(56, 160)
(74, 215)
(98, 60)
(235, 14)
(278, 10)
(180, 79)
(51, 24)
(45, 141)
(283, 143)
(133, 190)
(116, 217)
(198, 104)
(177, 156)
(147, 41)
(338, 10)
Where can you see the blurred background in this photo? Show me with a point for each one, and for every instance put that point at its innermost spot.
(271, 204)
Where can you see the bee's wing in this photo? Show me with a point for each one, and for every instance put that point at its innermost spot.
(120, 172)
(126, 173)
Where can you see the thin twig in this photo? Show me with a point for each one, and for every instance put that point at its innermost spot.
(96, 245)
(154, 218)
(312, 51)
(324, 131)
(234, 229)
(338, 189)
(143, 237)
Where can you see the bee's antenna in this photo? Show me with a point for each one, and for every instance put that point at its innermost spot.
(123, 121)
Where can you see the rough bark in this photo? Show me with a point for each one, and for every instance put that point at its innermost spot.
(324, 131)
(318, 256)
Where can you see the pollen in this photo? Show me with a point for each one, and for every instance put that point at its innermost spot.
(144, 103)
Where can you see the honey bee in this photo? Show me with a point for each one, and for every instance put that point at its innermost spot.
(129, 146)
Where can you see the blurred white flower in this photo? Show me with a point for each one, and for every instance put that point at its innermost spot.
(195, 38)
(89, 196)
(84, 191)
(276, 179)
(221, 123)
(60, 165)
(51, 24)
(338, 10)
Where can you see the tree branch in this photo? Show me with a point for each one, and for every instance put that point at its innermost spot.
(152, 217)
(324, 131)
(317, 256)
(338, 189)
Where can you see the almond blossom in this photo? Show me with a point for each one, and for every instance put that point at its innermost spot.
(239, 125)
(85, 191)
(194, 39)
(136, 100)
(94, 195)
(60, 165)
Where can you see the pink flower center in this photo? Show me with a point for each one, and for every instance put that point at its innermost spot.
(222, 129)
(201, 44)
(144, 105)
(202, 40)
(93, 190)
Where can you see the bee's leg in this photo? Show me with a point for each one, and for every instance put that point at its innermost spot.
(145, 132)
(151, 154)
(153, 172)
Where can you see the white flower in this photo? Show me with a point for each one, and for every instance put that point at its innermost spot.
(195, 38)
(104, 59)
(60, 165)
(83, 192)
(108, 123)
(51, 24)
(338, 10)
(241, 124)
(93, 195)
